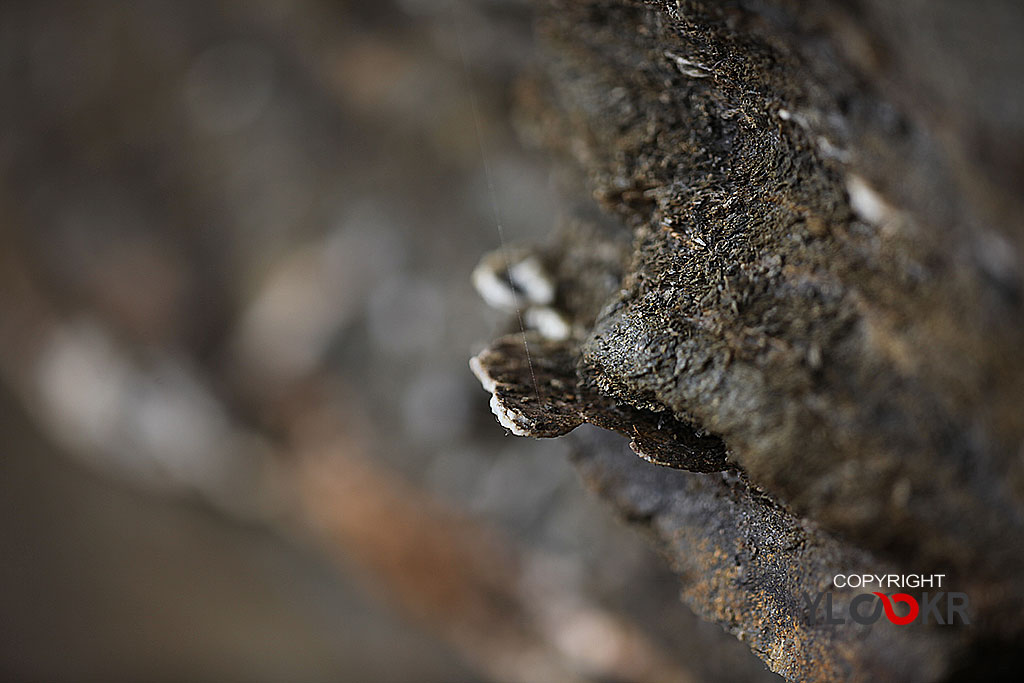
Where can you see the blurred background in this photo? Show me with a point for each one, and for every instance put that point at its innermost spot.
(240, 438)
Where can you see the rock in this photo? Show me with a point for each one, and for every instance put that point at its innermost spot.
(823, 272)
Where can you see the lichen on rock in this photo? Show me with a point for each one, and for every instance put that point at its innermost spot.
(805, 270)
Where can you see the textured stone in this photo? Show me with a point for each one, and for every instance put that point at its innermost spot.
(824, 272)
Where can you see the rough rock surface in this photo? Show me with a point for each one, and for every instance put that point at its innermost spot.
(821, 230)
(747, 563)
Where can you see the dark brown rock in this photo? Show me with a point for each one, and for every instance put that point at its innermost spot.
(825, 272)
(535, 392)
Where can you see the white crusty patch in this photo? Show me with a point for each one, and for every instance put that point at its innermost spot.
(548, 322)
(533, 281)
(635, 447)
(486, 380)
(495, 277)
(867, 202)
(832, 151)
(796, 117)
(688, 67)
(494, 290)
(509, 419)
